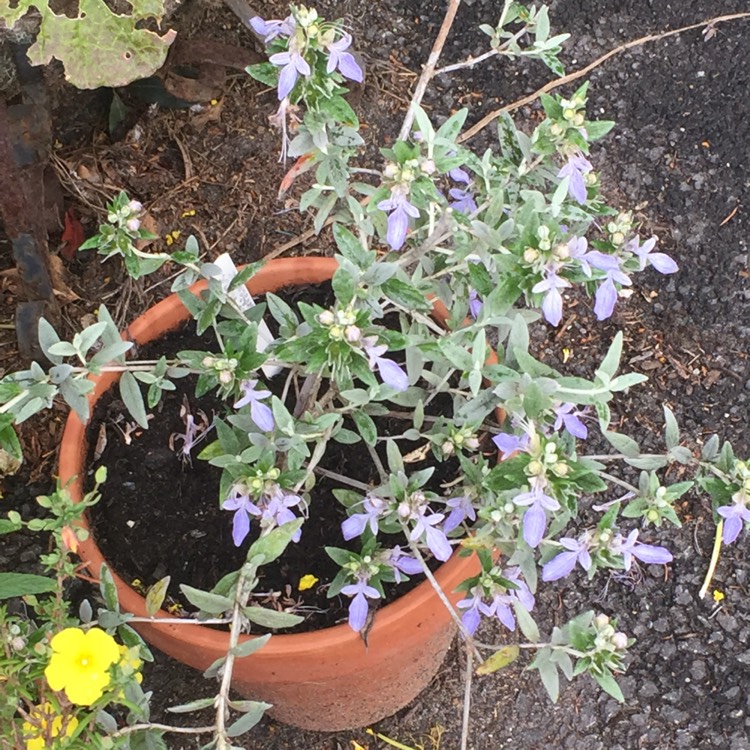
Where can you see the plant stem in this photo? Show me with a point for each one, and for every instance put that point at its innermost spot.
(467, 699)
(341, 478)
(429, 69)
(714, 559)
(163, 728)
(617, 480)
(443, 598)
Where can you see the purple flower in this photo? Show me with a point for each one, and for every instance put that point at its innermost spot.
(735, 516)
(553, 302)
(471, 616)
(398, 220)
(463, 200)
(567, 415)
(509, 444)
(475, 304)
(277, 510)
(358, 522)
(434, 538)
(260, 413)
(343, 60)
(292, 64)
(244, 508)
(359, 607)
(402, 563)
(563, 564)
(577, 251)
(391, 373)
(606, 294)
(660, 261)
(461, 509)
(271, 29)
(535, 518)
(575, 169)
(499, 605)
(630, 548)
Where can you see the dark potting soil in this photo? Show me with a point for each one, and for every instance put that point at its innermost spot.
(160, 514)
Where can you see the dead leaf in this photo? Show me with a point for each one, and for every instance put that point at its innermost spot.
(419, 454)
(498, 660)
(72, 236)
(101, 442)
(58, 276)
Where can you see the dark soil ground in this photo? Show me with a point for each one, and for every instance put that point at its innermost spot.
(680, 155)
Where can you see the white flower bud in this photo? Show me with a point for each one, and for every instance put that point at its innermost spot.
(353, 334)
(530, 254)
(620, 641)
(133, 224)
(226, 377)
(390, 171)
(135, 207)
(601, 621)
(404, 511)
(428, 166)
(326, 318)
(447, 448)
(208, 361)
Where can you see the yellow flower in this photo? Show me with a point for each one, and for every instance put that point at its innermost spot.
(44, 725)
(80, 664)
(307, 582)
(718, 595)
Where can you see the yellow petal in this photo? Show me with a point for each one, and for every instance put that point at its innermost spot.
(307, 582)
(103, 646)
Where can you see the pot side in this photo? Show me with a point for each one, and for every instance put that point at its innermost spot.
(327, 680)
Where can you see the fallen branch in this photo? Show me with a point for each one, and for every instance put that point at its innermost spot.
(551, 85)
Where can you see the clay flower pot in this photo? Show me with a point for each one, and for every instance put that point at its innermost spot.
(324, 680)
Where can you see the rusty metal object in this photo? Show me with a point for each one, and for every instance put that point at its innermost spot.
(25, 138)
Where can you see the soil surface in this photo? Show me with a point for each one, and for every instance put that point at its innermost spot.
(679, 154)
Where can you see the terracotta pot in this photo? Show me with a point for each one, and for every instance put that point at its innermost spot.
(325, 680)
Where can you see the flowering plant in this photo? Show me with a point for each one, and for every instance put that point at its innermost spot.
(440, 251)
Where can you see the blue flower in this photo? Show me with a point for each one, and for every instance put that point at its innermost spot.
(631, 547)
(575, 169)
(567, 415)
(577, 551)
(344, 61)
(535, 517)
(660, 261)
(735, 516)
(398, 220)
(260, 413)
(293, 64)
(552, 304)
(391, 373)
(358, 609)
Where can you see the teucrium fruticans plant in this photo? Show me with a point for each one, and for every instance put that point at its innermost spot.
(494, 237)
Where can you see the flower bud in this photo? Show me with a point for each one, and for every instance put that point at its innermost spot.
(579, 119)
(620, 641)
(336, 332)
(226, 377)
(530, 254)
(428, 166)
(208, 361)
(133, 225)
(353, 334)
(556, 129)
(652, 515)
(509, 508)
(404, 511)
(561, 469)
(135, 207)
(471, 443)
(601, 621)
(618, 238)
(390, 171)
(326, 318)
(561, 251)
(18, 643)
(569, 114)
(447, 448)
(534, 468)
